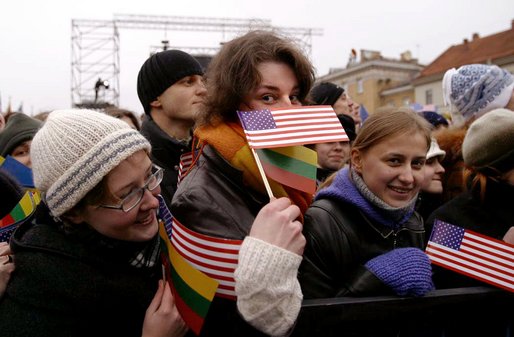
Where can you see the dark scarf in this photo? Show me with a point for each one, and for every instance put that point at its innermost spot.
(354, 191)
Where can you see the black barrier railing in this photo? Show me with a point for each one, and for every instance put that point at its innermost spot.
(476, 311)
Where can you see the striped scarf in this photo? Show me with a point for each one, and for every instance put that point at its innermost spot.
(229, 140)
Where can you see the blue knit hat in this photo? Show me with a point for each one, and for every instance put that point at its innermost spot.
(475, 89)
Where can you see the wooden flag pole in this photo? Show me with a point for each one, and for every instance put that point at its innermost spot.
(263, 175)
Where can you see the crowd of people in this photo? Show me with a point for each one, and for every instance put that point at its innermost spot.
(88, 261)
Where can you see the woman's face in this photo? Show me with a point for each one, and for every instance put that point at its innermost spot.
(278, 88)
(394, 168)
(140, 223)
(22, 153)
(433, 182)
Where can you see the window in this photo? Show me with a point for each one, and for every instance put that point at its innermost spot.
(428, 97)
(360, 87)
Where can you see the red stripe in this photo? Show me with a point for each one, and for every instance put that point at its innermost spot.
(277, 132)
(490, 258)
(472, 276)
(471, 264)
(226, 296)
(486, 244)
(203, 264)
(288, 178)
(206, 237)
(203, 246)
(204, 255)
(192, 319)
(315, 109)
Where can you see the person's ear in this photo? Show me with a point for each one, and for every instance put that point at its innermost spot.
(74, 216)
(356, 160)
(156, 103)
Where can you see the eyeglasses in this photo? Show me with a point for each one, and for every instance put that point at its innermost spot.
(135, 197)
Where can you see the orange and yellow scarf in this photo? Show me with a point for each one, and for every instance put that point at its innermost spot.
(230, 142)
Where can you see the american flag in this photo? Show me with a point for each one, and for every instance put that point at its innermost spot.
(472, 254)
(215, 257)
(186, 160)
(296, 126)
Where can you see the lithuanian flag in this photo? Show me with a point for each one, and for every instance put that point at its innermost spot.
(192, 289)
(294, 166)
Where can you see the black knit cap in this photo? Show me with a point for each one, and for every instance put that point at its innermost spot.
(161, 71)
(348, 125)
(326, 93)
(18, 129)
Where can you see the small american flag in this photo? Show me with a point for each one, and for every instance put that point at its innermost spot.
(186, 161)
(287, 127)
(472, 254)
(215, 257)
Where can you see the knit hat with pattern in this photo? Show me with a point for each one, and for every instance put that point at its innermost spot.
(475, 89)
(161, 71)
(74, 150)
(489, 142)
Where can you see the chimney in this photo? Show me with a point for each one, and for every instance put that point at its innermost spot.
(465, 41)
(475, 36)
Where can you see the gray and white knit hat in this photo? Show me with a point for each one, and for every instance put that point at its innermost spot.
(74, 150)
(475, 89)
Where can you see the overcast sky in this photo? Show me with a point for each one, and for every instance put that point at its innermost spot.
(35, 35)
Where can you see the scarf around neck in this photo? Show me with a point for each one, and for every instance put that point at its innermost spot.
(229, 140)
(354, 191)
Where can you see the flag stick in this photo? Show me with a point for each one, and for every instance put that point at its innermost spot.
(263, 175)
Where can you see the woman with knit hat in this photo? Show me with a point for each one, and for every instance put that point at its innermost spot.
(88, 264)
(363, 235)
(486, 206)
(430, 196)
(223, 192)
(470, 91)
(16, 137)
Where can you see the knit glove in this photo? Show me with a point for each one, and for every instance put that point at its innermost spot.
(406, 270)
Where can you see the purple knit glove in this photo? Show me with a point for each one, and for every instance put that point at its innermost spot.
(406, 270)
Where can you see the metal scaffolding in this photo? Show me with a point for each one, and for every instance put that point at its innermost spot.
(95, 48)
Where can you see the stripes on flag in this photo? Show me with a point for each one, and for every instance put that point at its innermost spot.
(216, 257)
(193, 290)
(294, 166)
(186, 161)
(292, 126)
(472, 254)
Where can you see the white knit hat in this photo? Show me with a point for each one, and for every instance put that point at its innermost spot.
(475, 89)
(74, 150)
(435, 150)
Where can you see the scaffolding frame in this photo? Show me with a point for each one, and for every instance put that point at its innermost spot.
(95, 47)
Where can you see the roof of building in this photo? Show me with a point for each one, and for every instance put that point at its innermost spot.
(478, 50)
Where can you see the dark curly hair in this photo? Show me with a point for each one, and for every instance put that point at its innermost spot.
(233, 73)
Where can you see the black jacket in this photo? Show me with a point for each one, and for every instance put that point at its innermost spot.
(66, 285)
(213, 200)
(166, 152)
(340, 240)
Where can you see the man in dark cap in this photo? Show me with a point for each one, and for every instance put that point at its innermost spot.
(327, 93)
(171, 90)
